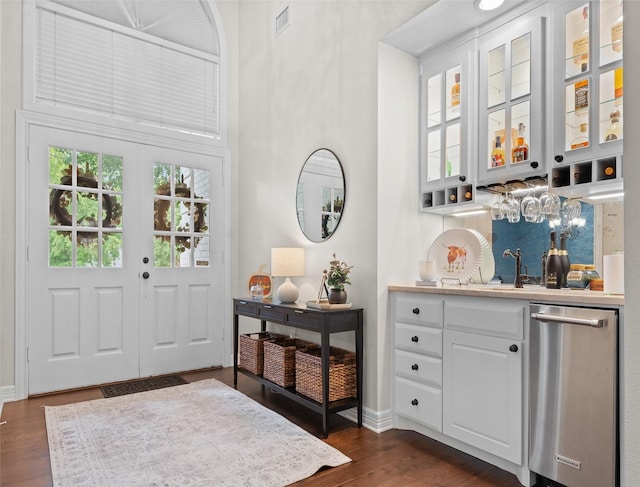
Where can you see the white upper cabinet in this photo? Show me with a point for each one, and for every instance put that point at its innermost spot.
(510, 101)
(446, 144)
(587, 78)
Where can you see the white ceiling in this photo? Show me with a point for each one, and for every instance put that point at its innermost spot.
(444, 20)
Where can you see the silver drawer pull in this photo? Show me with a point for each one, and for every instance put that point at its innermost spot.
(299, 311)
(243, 302)
(267, 306)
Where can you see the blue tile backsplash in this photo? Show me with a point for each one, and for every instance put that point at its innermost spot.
(533, 239)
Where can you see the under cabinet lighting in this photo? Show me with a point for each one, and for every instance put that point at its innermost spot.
(469, 213)
(488, 4)
(607, 196)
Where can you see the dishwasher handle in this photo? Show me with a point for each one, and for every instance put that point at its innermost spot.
(571, 321)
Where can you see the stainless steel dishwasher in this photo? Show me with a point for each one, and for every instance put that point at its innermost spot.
(573, 436)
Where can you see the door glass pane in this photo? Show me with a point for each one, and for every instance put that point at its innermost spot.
(433, 155)
(452, 164)
(85, 196)
(577, 115)
(497, 142)
(434, 103)
(112, 250)
(577, 41)
(520, 126)
(453, 89)
(60, 249)
(180, 215)
(611, 24)
(201, 252)
(496, 72)
(521, 66)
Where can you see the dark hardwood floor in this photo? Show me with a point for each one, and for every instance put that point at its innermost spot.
(393, 458)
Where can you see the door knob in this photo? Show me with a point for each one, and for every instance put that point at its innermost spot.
(513, 348)
(145, 275)
(145, 260)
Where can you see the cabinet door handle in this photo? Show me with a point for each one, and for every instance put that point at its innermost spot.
(416, 311)
(559, 158)
(414, 367)
(414, 339)
(513, 348)
(534, 164)
(414, 402)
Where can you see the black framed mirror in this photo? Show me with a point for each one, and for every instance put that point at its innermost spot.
(320, 195)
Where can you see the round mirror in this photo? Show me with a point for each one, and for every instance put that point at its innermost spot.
(320, 195)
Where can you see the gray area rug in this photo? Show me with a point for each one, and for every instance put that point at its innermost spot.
(200, 434)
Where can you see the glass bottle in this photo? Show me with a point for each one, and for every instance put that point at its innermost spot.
(582, 140)
(618, 86)
(553, 270)
(581, 97)
(581, 43)
(497, 155)
(257, 291)
(521, 151)
(614, 131)
(455, 93)
(616, 32)
(564, 258)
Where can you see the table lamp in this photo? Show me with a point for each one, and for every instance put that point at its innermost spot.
(287, 262)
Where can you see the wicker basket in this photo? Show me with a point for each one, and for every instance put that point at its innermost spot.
(280, 359)
(342, 374)
(251, 353)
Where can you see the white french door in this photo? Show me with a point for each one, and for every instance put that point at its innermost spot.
(125, 271)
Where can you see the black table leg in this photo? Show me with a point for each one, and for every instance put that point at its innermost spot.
(235, 350)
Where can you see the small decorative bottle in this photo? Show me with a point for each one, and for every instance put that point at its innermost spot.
(614, 131)
(581, 43)
(257, 291)
(521, 151)
(553, 271)
(497, 155)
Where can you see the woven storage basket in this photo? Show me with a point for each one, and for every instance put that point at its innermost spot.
(342, 374)
(251, 353)
(280, 359)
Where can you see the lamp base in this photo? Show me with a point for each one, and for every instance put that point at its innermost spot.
(287, 292)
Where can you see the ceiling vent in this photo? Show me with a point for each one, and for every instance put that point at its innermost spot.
(283, 20)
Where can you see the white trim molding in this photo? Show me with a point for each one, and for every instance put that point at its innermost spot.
(376, 421)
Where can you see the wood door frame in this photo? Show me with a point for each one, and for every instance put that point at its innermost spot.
(125, 131)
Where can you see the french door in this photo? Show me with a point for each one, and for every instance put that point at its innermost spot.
(125, 275)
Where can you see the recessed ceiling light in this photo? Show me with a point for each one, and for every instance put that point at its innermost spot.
(488, 4)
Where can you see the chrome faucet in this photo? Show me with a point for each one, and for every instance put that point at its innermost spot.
(520, 278)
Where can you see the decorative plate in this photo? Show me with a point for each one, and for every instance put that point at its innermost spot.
(458, 253)
(261, 278)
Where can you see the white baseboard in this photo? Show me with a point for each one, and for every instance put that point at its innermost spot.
(377, 421)
(7, 394)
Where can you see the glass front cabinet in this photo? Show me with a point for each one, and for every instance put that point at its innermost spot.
(511, 97)
(588, 94)
(446, 179)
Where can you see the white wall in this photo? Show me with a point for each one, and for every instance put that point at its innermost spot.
(314, 86)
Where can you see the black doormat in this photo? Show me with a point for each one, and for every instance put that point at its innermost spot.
(142, 385)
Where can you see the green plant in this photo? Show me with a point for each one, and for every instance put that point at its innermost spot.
(338, 274)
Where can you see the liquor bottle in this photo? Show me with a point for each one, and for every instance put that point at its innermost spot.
(616, 32)
(564, 259)
(614, 131)
(521, 151)
(581, 97)
(618, 85)
(455, 93)
(582, 140)
(553, 270)
(497, 155)
(581, 43)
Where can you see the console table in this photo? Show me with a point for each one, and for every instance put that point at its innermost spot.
(323, 322)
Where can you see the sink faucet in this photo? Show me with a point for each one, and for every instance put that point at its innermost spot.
(520, 278)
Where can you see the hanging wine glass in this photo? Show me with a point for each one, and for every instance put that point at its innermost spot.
(498, 210)
(550, 204)
(512, 209)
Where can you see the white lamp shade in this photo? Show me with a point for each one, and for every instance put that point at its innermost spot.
(287, 262)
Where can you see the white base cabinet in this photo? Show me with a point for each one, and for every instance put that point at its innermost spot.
(459, 374)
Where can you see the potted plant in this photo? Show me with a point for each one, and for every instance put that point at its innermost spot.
(337, 278)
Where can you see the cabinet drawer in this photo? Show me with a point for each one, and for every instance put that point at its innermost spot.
(419, 309)
(418, 402)
(267, 312)
(500, 318)
(419, 367)
(303, 319)
(418, 339)
(247, 308)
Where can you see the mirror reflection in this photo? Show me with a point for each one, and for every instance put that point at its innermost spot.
(320, 195)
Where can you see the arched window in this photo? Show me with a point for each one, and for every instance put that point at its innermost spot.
(152, 62)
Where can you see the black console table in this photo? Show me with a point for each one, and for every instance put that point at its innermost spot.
(324, 322)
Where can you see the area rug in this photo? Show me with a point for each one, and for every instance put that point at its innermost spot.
(199, 434)
(142, 385)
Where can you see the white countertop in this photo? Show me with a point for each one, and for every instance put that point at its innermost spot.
(528, 292)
